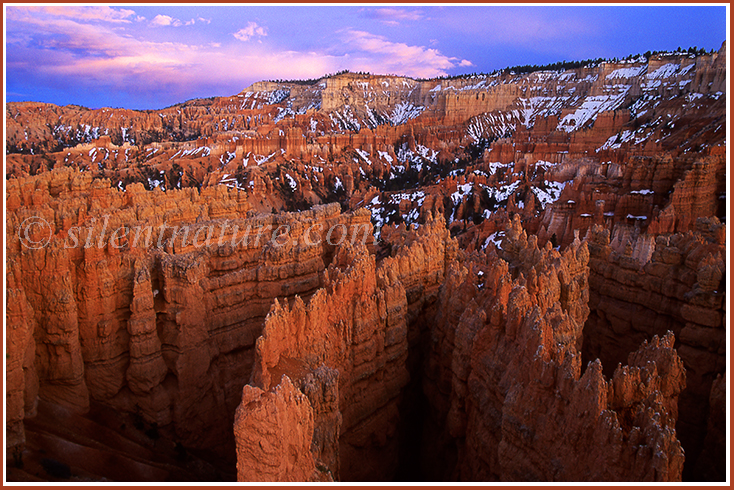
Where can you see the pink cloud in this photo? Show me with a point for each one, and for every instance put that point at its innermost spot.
(96, 54)
(249, 31)
(165, 20)
(391, 16)
(379, 55)
(185, 64)
(99, 55)
(101, 13)
(66, 34)
(129, 64)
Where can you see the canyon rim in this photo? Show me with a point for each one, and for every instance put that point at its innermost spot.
(517, 275)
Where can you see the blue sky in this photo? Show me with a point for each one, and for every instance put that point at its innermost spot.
(147, 57)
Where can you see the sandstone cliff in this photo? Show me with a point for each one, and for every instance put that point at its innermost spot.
(160, 321)
(506, 338)
(450, 340)
(515, 345)
(674, 283)
(347, 352)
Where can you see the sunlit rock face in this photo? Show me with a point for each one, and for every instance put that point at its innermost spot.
(506, 277)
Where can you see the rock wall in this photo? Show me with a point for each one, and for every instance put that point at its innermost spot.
(161, 322)
(145, 302)
(348, 103)
(657, 194)
(274, 431)
(507, 338)
(21, 385)
(677, 285)
(347, 351)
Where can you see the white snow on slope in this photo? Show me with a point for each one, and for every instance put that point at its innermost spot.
(590, 108)
(291, 182)
(405, 111)
(550, 194)
(627, 72)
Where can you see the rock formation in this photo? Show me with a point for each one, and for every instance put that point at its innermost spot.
(356, 330)
(274, 432)
(161, 321)
(677, 285)
(319, 279)
(504, 340)
(515, 345)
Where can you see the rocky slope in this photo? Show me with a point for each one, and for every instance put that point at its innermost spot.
(450, 338)
(346, 351)
(512, 342)
(161, 321)
(644, 288)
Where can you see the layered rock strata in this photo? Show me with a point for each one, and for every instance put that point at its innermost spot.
(146, 301)
(350, 102)
(506, 339)
(346, 351)
(646, 287)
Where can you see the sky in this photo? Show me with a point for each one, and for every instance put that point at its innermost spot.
(153, 56)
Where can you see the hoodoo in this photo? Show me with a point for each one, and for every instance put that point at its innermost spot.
(516, 276)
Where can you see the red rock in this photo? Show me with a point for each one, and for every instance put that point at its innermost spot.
(274, 431)
(515, 346)
(159, 323)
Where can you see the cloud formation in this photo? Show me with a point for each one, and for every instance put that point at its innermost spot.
(101, 13)
(392, 16)
(62, 54)
(250, 31)
(165, 20)
(85, 56)
(377, 54)
(106, 50)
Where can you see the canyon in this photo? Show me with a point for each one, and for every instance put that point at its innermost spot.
(498, 277)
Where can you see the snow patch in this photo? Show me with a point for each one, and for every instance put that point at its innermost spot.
(495, 238)
(550, 193)
(590, 109)
(365, 156)
(385, 156)
(627, 72)
(291, 182)
(404, 112)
